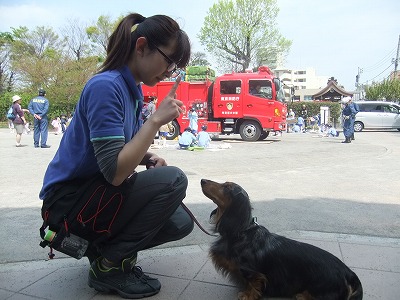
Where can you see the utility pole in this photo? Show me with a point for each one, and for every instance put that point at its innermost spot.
(358, 90)
(396, 62)
(360, 70)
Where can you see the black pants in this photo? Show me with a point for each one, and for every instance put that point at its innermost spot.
(139, 214)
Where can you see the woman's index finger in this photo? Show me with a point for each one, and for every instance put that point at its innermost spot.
(172, 92)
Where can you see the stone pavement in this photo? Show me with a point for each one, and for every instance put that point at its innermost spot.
(184, 268)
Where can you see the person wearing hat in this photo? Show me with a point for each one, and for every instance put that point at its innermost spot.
(19, 120)
(348, 114)
(203, 138)
(38, 107)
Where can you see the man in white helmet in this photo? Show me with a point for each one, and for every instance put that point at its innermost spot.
(348, 114)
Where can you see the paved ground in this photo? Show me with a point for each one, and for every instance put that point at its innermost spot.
(343, 198)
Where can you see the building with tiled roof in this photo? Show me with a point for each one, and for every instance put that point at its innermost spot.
(332, 92)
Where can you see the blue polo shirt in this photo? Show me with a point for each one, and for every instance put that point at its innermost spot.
(109, 108)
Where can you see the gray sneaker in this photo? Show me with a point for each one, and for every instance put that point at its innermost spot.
(129, 282)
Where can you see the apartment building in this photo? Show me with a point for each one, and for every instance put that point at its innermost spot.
(304, 81)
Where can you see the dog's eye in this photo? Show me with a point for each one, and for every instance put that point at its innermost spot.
(227, 188)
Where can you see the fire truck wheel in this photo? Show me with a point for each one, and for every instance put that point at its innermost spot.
(174, 132)
(263, 135)
(250, 131)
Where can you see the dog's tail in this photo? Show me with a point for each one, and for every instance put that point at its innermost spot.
(355, 287)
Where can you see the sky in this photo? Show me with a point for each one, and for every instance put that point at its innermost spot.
(337, 38)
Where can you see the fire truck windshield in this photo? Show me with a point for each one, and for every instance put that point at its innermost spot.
(260, 88)
(280, 93)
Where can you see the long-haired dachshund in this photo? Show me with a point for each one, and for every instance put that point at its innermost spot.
(267, 264)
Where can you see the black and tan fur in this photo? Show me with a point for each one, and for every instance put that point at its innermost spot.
(267, 264)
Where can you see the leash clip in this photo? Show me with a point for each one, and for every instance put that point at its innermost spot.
(255, 220)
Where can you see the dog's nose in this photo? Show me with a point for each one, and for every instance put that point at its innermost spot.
(203, 181)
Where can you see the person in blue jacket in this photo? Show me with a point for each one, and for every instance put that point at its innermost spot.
(357, 110)
(186, 139)
(91, 189)
(193, 119)
(38, 107)
(348, 113)
(203, 138)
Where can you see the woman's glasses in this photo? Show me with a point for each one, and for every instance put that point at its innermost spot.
(172, 67)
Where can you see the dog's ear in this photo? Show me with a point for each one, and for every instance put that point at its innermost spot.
(237, 216)
(239, 193)
(241, 202)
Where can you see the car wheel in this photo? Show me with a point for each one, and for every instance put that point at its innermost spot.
(358, 126)
(250, 131)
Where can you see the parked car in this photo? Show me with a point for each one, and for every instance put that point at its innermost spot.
(377, 115)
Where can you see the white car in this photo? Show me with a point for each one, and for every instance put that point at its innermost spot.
(377, 115)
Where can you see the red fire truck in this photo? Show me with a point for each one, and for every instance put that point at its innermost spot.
(250, 104)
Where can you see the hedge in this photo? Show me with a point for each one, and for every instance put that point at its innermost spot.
(314, 108)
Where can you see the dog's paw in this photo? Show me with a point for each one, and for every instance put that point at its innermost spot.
(245, 296)
(242, 296)
(248, 295)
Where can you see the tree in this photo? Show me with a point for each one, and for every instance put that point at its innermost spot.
(100, 33)
(198, 59)
(6, 72)
(387, 89)
(30, 59)
(70, 80)
(76, 38)
(36, 55)
(243, 34)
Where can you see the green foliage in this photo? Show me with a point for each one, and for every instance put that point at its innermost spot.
(198, 59)
(39, 59)
(243, 33)
(100, 33)
(388, 89)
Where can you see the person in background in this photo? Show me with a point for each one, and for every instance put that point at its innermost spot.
(151, 107)
(331, 131)
(186, 139)
(56, 123)
(256, 90)
(38, 107)
(19, 121)
(163, 133)
(203, 138)
(70, 119)
(304, 115)
(91, 189)
(193, 119)
(300, 123)
(290, 120)
(348, 113)
(182, 75)
(291, 114)
(356, 108)
(64, 121)
(296, 128)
